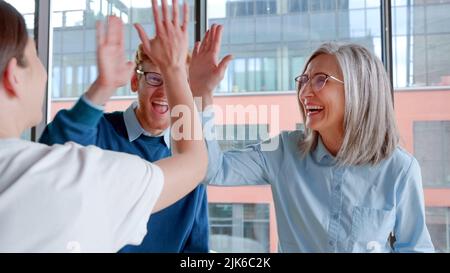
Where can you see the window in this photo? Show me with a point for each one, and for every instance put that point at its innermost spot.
(421, 43)
(298, 5)
(277, 34)
(238, 228)
(74, 45)
(421, 65)
(432, 150)
(438, 223)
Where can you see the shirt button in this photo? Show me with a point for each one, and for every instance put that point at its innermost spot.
(335, 216)
(331, 243)
(338, 188)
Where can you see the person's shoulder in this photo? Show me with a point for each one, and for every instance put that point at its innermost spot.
(116, 120)
(292, 137)
(114, 116)
(285, 141)
(14, 146)
(296, 134)
(28, 152)
(403, 161)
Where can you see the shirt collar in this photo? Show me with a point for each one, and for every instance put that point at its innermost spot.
(321, 154)
(134, 128)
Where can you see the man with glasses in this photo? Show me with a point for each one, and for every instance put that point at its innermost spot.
(143, 130)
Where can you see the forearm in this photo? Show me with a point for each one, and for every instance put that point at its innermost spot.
(206, 101)
(79, 124)
(99, 94)
(179, 95)
(187, 167)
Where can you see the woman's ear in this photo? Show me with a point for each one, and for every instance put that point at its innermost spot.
(134, 83)
(10, 78)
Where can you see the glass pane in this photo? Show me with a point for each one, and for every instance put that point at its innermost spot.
(432, 150)
(238, 228)
(421, 63)
(255, 30)
(439, 227)
(74, 46)
(421, 43)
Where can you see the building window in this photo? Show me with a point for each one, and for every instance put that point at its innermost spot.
(432, 150)
(74, 45)
(250, 34)
(438, 223)
(421, 43)
(240, 8)
(238, 228)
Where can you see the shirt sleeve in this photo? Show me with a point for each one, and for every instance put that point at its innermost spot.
(125, 188)
(77, 199)
(411, 233)
(235, 167)
(79, 124)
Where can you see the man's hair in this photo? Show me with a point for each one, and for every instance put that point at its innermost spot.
(141, 57)
(13, 36)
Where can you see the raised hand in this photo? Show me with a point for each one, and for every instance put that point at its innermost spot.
(114, 70)
(170, 46)
(168, 51)
(205, 71)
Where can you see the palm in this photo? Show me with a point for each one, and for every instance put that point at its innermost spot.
(113, 67)
(205, 71)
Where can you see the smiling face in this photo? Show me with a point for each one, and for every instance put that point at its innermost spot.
(153, 110)
(324, 109)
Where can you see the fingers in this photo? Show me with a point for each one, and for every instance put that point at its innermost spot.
(205, 41)
(185, 25)
(157, 17)
(114, 34)
(166, 23)
(212, 39)
(165, 13)
(144, 38)
(217, 39)
(100, 33)
(223, 65)
(196, 49)
(175, 13)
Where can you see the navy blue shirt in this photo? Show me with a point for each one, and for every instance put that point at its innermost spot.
(182, 227)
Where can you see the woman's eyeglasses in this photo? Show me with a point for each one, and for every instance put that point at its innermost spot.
(151, 78)
(318, 81)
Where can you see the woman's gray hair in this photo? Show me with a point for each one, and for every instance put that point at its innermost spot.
(370, 129)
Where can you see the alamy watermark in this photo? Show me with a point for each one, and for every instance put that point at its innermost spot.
(229, 115)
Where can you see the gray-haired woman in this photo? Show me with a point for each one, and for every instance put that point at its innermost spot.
(343, 185)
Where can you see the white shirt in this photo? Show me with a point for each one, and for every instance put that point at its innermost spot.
(68, 198)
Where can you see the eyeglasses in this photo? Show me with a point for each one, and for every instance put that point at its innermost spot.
(318, 81)
(151, 78)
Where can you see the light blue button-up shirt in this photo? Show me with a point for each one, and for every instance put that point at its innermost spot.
(321, 207)
(134, 128)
